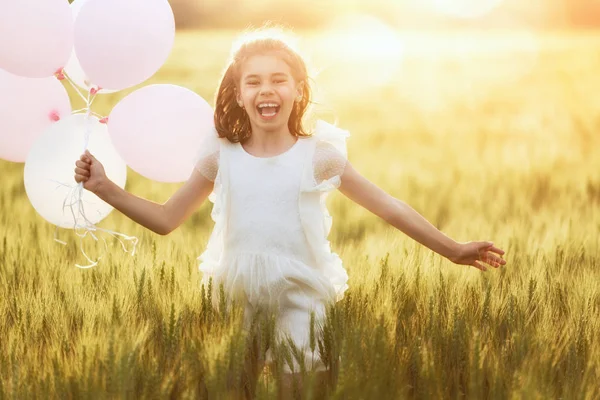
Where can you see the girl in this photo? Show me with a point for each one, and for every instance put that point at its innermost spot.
(268, 178)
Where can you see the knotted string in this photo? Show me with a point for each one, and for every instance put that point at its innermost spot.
(74, 198)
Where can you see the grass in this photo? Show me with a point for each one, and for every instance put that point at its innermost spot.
(500, 147)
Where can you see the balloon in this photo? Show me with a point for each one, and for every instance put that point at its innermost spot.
(158, 129)
(51, 161)
(36, 36)
(27, 107)
(121, 43)
(73, 67)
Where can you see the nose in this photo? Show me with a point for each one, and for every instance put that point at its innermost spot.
(266, 89)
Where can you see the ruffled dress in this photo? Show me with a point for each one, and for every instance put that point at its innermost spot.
(271, 220)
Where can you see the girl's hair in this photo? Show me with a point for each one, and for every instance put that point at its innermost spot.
(231, 121)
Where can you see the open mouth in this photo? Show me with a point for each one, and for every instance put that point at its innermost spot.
(268, 110)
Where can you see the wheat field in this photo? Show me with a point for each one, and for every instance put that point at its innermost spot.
(498, 145)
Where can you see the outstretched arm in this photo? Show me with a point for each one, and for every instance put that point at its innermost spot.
(159, 218)
(400, 215)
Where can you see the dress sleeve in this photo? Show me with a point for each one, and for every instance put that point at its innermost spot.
(328, 162)
(320, 177)
(207, 158)
(330, 156)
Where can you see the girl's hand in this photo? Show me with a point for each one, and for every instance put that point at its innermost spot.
(91, 172)
(473, 253)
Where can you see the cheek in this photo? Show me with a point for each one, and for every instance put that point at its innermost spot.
(286, 93)
(247, 92)
(247, 97)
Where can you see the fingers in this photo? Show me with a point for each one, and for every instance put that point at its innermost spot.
(82, 169)
(489, 254)
(81, 178)
(82, 172)
(478, 265)
(90, 156)
(496, 250)
(493, 260)
(87, 157)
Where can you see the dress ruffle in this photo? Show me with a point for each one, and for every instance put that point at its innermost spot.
(332, 134)
(314, 214)
(262, 278)
(211, 259)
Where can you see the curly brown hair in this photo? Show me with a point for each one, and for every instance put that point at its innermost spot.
(231, 121)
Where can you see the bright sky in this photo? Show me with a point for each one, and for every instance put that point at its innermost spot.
(463, 8)
(370, 52)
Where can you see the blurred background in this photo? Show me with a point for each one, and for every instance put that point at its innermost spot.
(482, 115)
(403, 14)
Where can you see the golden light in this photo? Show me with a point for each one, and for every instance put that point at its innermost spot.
(445, 67)
(357, 49)
(464, 8)
(499, 57)
(363, 37)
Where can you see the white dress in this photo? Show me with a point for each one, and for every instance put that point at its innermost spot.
(269, 244)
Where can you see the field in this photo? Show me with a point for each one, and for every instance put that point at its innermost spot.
(495, 141)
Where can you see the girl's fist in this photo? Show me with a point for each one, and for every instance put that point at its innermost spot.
(90, 171)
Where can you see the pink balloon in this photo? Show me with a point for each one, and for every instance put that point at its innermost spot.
(121, 43)
(158, 129)
(28, 106)
(73, 68)
(36, 36)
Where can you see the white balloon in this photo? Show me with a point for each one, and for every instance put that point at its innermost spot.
(73, 67)
(51, 161)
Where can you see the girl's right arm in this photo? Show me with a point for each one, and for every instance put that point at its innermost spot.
(159, 218)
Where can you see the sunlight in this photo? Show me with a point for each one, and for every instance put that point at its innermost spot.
(360, 38)
(499, 57)
(464, 8)
(359, 49)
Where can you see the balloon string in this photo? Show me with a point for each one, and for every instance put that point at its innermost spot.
(74, 86)
(74, 198)
(84, 111)
(74, 205)
(56, 237)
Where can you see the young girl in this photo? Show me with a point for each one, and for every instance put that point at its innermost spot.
(268, 178)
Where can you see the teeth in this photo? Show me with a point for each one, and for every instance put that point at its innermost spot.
(268, 105)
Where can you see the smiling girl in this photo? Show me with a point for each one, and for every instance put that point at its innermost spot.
(268, 177)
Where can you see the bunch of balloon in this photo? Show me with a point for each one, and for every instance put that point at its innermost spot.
(155, 130)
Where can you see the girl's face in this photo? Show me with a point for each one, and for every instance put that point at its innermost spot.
(267, 91)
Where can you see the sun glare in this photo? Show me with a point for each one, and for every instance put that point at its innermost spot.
(362, 48)
(465, 8)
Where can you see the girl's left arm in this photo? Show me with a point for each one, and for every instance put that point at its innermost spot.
(400, 215)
